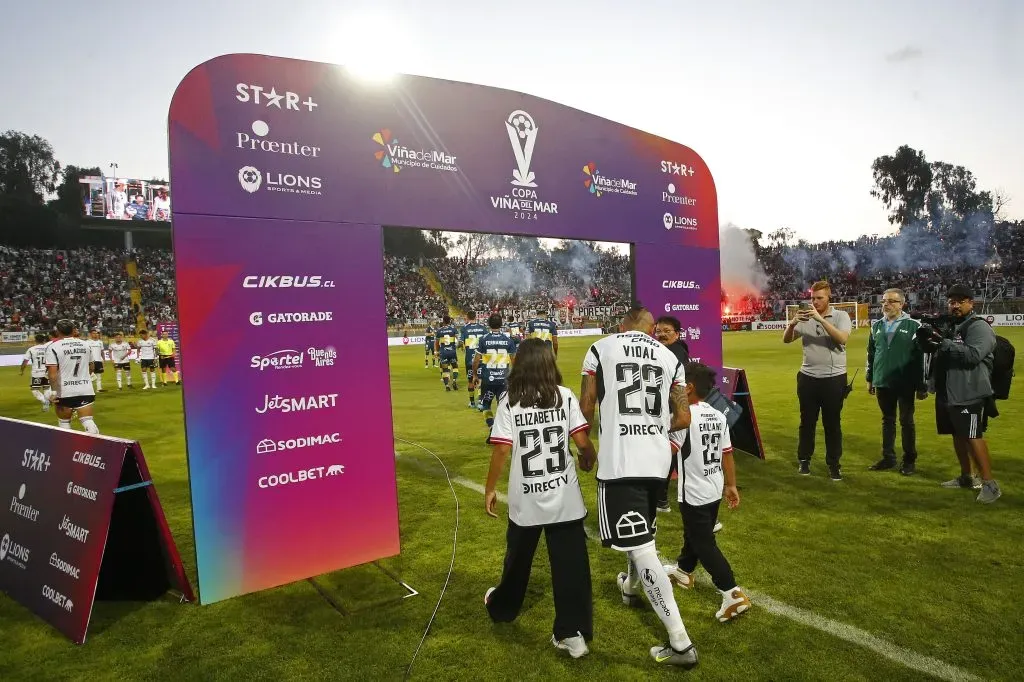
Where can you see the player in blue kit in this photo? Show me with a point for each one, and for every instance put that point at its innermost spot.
(428, 348)
(446, 346)
(471, 335)
(543, 328)
(493, 359)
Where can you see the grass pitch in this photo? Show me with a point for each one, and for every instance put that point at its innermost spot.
(928, 570)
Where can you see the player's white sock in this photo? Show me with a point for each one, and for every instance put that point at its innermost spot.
(88, 424)
(659, 592)
(632, 577)
(118, 374)
(99, 383)
(152, 378)
(39, 395)
(64, 424)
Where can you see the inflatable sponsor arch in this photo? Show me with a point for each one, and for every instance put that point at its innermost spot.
(285, 173)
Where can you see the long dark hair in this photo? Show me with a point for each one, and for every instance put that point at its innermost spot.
(534, 379)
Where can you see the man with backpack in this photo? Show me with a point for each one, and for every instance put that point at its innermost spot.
(962, 378)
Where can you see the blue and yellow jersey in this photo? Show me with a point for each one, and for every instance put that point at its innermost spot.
(495, 350)
(447, 339)
(539, 328)
(430, 336)
(471, 335)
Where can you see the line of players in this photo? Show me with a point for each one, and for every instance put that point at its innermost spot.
(489, 353)
(67, 371)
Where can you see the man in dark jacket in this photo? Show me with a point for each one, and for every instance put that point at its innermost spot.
(961, 379)
(895, 373)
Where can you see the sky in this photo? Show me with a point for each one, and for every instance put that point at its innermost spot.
(788, 102)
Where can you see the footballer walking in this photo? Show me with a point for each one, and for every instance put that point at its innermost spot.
(536, 418)
(640, 387)
(69, 364)
(35, 357)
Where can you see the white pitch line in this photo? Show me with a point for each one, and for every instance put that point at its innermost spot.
(847, 633)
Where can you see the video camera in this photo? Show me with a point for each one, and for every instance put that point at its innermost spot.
(933, 329)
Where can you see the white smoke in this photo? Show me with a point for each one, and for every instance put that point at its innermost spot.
(741, 272)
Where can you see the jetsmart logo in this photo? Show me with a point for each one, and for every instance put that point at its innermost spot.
(73, 531)
(597, 183)
(19, 508)
(251, 179)
(397, 156)
(287, 282)
(670, 197)
(301, 404)
(269, 447)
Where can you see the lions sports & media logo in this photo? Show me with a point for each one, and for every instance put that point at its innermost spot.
(251, 179)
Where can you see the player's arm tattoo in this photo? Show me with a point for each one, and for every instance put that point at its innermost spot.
(588, 399)
(680, 408)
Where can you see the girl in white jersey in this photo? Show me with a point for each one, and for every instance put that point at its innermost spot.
(535, 419)
(706, 473)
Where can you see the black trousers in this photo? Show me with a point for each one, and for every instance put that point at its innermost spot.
(888, 400)
(699, 545)
(823, 395)
(570, 577)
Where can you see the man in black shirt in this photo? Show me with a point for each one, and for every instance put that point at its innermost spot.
(667, 331)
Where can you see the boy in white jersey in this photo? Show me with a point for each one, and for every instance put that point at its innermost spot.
(36, 357)
(640, 386)
(95, 344)
(536, 417)
(147, 358)
(706, 471)
(120, 355)
(70, 368)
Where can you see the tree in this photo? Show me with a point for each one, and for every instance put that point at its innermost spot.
(28, 169)
(70, 192)
(902, 182)
(471, 246)
(781, 238)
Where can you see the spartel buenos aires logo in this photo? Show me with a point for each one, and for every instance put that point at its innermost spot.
(396, 156)
(523, 201)
(597, 183)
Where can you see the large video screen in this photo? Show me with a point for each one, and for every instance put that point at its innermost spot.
(125, 199)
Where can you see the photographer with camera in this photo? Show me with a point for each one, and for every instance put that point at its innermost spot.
(895, 372)
(821, 382)
(962, 347)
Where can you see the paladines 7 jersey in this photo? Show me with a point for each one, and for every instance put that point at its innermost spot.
(71, 356)
(542, 483)
(635, 374)
(701, 448)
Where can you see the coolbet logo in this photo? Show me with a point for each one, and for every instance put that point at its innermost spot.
(597, 183)
(251, 179)
(303, 404)
(682, 307)
(35, 460)
(84, 493)
(94, 461)
(257, 144)
(670, 197)
(679, 284)
(257, 94)
(256, 319)
(58, 598)
(73, 531)
(676, 168)
(287, 282)
(268, 447)
(678, 222)
(13, 552)
(523, 202)
(64, 567)
(300, 476)
(19, 508)
(397, 156)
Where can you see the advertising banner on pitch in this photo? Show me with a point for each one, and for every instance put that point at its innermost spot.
(301, 163)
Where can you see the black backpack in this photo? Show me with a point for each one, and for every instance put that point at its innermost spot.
(1002, 367)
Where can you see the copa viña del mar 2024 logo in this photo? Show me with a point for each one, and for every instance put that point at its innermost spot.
(523, 201)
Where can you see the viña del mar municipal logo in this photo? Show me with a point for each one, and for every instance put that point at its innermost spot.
(523, 201)
(397, 156)
(598, 183)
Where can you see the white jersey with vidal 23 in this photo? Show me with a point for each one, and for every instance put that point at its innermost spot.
(635, 374)
(147, 348)
(701, 448)
(36, 356)
(71, 356)
(542, 484)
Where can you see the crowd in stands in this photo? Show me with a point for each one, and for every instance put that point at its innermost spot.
(90, 286)
(38, 286)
